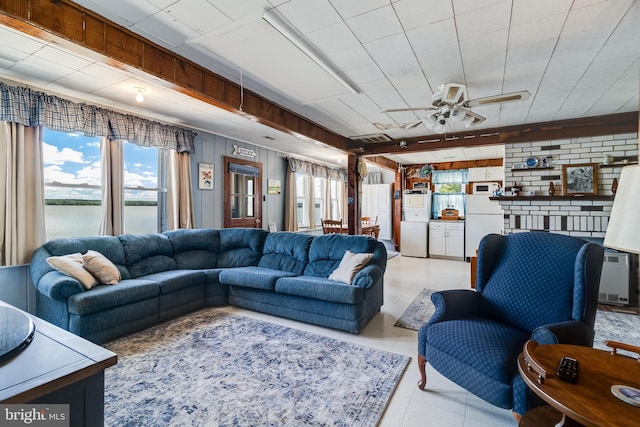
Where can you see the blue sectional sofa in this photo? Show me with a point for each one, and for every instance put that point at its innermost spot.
(176, 272)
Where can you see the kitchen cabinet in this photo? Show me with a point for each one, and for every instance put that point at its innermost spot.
(489, 173)
(446, 239)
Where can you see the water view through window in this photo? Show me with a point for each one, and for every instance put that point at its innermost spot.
(73, 186)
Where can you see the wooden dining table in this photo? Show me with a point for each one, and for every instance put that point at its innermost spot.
(366, 230)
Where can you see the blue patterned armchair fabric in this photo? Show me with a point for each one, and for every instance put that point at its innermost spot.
(535, 285)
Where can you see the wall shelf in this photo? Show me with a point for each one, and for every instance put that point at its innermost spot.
(613, 165)
(531, 169)
(604, 197)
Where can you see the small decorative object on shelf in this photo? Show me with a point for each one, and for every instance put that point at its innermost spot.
(552, 189)
(532, 162)
(614, 186)
(546, 162)
(515, 190)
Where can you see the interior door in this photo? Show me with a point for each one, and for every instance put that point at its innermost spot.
(242, 193)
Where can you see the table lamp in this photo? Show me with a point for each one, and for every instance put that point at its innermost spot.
(623, 231)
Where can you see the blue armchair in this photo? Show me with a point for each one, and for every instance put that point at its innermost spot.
(537, 285)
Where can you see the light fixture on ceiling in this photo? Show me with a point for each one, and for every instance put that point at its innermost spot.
(139, 94)
(290, 33)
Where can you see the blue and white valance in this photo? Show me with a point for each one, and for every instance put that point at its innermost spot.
(31, 108)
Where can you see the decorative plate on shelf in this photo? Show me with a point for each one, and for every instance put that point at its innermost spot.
(531, 162)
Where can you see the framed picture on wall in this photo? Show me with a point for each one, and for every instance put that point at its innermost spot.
(580, 179)
(205, 176)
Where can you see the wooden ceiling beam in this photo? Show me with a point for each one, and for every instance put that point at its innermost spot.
(611, 124)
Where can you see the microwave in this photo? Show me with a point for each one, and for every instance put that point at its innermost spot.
(485, 187)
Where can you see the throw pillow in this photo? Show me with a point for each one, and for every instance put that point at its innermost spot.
(101, 267)
(71, 265)
(349, 265)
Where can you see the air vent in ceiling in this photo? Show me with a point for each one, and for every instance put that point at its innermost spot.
(372, 138)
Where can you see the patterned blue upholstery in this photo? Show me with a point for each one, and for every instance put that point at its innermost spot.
(529, 285)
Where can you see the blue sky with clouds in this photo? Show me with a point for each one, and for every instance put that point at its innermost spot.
(75, 159)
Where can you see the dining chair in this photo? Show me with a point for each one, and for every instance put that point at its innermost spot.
(331, 226)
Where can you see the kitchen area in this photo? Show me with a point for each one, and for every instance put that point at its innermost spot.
(447, 216)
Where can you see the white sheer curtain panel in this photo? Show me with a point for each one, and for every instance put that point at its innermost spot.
(179, 196)
(21, 193)
(112, 158)
(290, 201)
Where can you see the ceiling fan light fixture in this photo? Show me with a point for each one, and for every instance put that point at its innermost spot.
(431, 121)
(441, 127)
(458, 114)
(468, 121)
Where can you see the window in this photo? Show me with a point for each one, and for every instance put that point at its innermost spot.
(141, 189)
(73, 182)
(319, 202)
(449, 191)
(73, 186)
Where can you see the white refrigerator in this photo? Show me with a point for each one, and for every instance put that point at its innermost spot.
(414, 228)
(482, 217)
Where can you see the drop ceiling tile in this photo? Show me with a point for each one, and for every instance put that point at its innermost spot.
(333, 38)
(123, 12)
(306, 16)
(433, 35)
(492, 18)
(55, 55)
(529, 32)
(466, 6)
(527, 11)
(105, 73)
(353, 57)
(417, 13)
(483, 45)
(165, 30)
(376, 24)
(350, 8)
(199, 15)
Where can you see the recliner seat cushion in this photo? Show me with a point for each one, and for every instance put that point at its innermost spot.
(103, 297)
(253, 277)
(320, 288)
(173, 280)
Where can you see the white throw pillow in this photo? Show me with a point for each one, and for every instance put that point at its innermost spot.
(71, 265)
(349, 265)
(101, 268)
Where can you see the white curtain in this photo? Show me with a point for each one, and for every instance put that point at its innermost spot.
(310, 202)
(179, 197)
(112, 159)
(291, 201)
(326, 190)
(344, 205)
(21, 193)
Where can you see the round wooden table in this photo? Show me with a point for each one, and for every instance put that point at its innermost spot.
(589, 402)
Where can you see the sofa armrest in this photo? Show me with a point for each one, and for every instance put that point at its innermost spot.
(570, 332)
(455, 304)
(58, 286)
(367, 277)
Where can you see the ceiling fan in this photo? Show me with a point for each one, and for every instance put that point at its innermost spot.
(451, 103)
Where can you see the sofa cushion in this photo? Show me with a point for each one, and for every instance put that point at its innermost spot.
(195, 249)
(326, 252)
(253, 277)
(320, 288)
(350, 265)
(286, 251)
(101, 268)
(103, 297)
(147, 253)
(241, 247)
(171, 281)
(71, 265)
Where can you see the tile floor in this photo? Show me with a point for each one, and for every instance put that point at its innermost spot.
(444, 404)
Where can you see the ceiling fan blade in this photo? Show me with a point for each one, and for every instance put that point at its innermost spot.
(496, 99)
(412, 125)
(397, 110)
(472, 119)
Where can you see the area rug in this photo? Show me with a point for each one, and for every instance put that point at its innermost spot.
(212, 368)
(609, 325)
